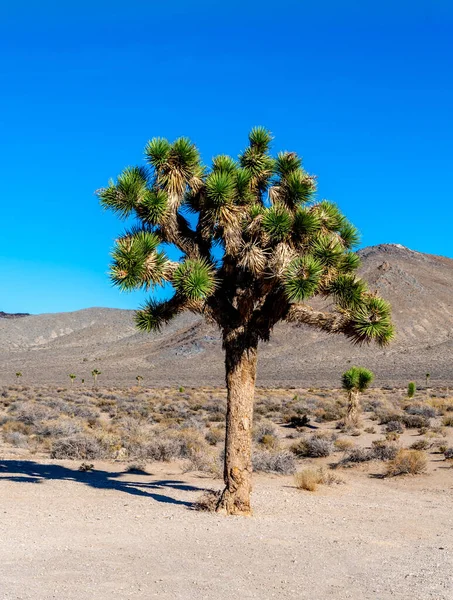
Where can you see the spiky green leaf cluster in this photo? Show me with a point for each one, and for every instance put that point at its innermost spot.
(302, 277)
(137, 262)
(356, 379)
(258, 239)
(371, 321)
(277, 222)
(194, 279)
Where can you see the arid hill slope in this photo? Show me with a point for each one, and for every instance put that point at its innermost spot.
(46, 348)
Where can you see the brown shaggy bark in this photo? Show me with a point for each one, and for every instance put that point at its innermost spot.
(352, 417)
(240, 362)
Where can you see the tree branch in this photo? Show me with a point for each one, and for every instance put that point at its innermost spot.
(330, 322)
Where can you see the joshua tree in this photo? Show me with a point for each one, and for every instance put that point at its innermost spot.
(72, 378)
(355, 381)
(427, 376)
(18, 374)
(254, 247)
(139, 379)
(95, 374)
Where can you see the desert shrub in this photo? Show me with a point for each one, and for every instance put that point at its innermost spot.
(343, 444)
(214, 435)
(370, 430)
(79, 446)
(190, 441)
(357, 455)
(420, 445)
(31, 413)
(62, 427)
(313, 447)
(436, 431)
(204, 462)
(386, 417)
(394, 426)
(329, 411)
(13, 426)
(161, 449)
(383, 450)
(217, 417)
(447, 421)
(309, 479)
(295, 420)
(448, 453)
(421, 409)
(392, 436)
(407, 462)
(414, 421)
(264, 428)
(274, 462)
(137, 467)
(15, 438)
(208, 501)
(271, 442)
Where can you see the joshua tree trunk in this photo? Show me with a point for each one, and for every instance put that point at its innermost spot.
(352, 417)
(240, 363)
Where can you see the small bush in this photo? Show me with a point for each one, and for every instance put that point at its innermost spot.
(162, 449)
(448, 453)
(415, 421)
(77, 447)
(343, 444)
(214, 435)
(274, 462)
(420, 445)
(208, 501)
(297, 420)
(313, 447)
(447, 421)
(394, 426)
(264, 429)
(370, 430)
(309, 479)
(15, 438)
(204, 462)
(383, 450)
(387, 417)
(422, 410)
(357, 455)
(407, 462)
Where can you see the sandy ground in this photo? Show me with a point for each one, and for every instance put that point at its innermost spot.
(106, 534)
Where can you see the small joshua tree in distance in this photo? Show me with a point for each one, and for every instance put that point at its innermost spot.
(95, 374)
(255, 245)
(139, 379)
(72, 377)
(355, 381)
(18, 375)
(427, 376)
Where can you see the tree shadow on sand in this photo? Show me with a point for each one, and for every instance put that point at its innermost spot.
(23, 471)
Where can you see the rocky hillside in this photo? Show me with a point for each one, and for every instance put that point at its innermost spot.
(46, 348)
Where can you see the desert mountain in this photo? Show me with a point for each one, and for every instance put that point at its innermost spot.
(46, 348)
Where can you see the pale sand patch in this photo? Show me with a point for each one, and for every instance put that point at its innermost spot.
(109, 535)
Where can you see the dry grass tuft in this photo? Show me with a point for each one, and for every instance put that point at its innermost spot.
(208, 501)
(407, 462)
(308, 479)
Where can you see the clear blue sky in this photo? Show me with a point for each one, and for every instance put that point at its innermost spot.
(363, 90)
